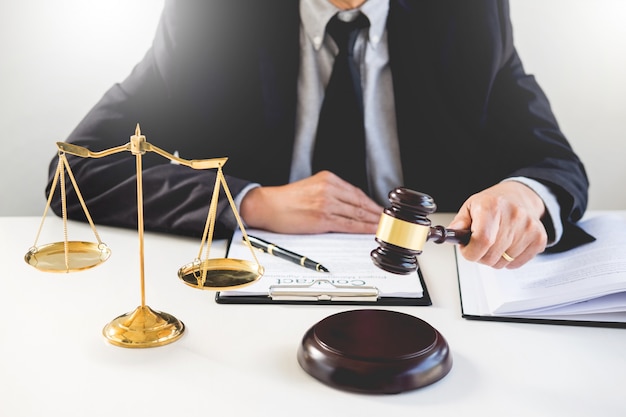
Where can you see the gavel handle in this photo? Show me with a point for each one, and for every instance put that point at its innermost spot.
(440, 234)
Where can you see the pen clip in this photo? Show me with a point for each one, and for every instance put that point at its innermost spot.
(323, 290)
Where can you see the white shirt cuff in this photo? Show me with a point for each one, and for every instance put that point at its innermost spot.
(228, 218)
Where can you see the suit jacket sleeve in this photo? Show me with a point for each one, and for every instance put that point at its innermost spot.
(518, 101)
(176, 198)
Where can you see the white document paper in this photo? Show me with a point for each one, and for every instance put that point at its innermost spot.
(347, 257)
(589, 279)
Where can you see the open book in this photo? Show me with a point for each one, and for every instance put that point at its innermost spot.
(353, 277)
(584, 286)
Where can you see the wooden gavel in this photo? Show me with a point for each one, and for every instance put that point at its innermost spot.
(404, 228)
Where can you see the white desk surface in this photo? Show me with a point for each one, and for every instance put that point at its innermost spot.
(241, 359)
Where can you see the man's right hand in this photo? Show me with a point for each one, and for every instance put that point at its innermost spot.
(318, 204)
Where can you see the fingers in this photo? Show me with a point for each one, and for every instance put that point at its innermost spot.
(462, 220)
(348, 208)
(506, 239)
(526, 242)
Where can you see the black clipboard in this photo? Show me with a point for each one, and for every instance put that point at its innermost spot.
(424, 300)
(324, 299)
(584, 320)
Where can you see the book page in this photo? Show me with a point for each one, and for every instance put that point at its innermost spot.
(347, 257)
(561, 283)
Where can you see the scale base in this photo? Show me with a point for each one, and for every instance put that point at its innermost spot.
(374, 352)
(143, 328)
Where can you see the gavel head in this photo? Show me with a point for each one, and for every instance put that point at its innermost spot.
(403, 230)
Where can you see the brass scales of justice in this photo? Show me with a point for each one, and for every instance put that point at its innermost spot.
(143, 327)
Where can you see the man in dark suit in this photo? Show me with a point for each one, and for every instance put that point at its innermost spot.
(448, 110)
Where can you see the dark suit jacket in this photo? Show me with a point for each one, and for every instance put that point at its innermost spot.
(220, 80)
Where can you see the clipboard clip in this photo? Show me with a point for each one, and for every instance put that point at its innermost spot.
(322, 290)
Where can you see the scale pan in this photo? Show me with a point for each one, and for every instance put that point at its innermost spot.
(80, 256)
(221, 273)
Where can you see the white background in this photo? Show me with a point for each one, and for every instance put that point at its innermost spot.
(58, 57)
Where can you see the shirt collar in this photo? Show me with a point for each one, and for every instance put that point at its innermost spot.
(315, 14)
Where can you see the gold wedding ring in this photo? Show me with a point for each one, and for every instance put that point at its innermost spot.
(507, 257)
